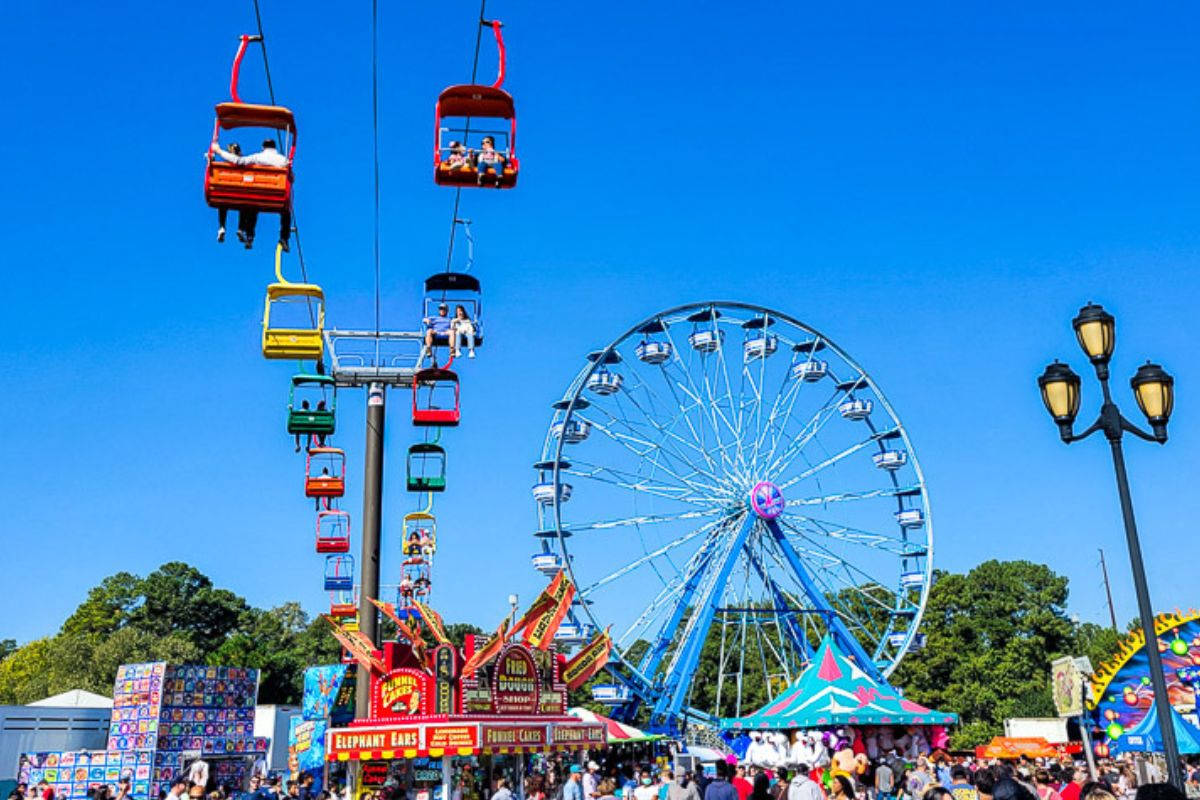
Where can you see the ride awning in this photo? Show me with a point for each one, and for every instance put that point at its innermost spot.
(833, 690)
(616, 732)
(250, 115)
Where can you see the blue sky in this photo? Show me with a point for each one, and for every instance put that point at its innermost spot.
(937, 188)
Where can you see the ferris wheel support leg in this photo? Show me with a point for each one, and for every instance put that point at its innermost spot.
(667, 709)
(836, 627)
(368, 615)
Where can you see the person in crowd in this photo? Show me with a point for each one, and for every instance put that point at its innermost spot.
(803, 787)
(762, 788)
(269, 156)
(1095, 790)
(1008, 788)
(960, 784)
(573, 788)
(462, 329)
(720, 788)
(19, 791)
(841, 788)
(780, 786)
(683, 787)
(502, 791)
(885, 781)
(1158, 791)
(1072, 789)
(918, 780)
(489, 159)
(179, 789)
(606, 789)
(1044, 785)
(591, 777)
(937, 792)
(740, 784)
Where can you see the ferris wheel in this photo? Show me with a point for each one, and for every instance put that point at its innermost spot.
(726, 486)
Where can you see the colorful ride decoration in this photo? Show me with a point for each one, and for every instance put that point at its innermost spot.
(1121, 694)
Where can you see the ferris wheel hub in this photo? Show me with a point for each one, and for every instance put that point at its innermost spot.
(767, 500)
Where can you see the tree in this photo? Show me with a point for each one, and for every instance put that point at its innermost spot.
(25, 673)
(178, 598)
(7, 648)
(990, 637)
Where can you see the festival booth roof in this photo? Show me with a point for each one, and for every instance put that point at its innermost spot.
(1146, 736)
(75, 698)
(832, 690)
(617, 732)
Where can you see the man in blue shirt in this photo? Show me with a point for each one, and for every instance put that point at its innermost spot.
(721, 789)
(436, 328)
(573, 790)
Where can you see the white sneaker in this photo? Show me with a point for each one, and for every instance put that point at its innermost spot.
(470, 354)
(455, 353)
(220, 234)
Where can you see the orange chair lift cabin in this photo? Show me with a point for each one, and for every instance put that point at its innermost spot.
(251, 186)
(476, 101)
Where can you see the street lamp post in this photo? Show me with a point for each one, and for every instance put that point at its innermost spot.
(1153, 389)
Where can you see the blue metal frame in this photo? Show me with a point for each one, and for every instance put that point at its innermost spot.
(667, 708)
(841, 633)
(795, 632)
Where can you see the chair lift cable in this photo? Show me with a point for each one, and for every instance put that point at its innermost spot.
(375, 142)
(474, 75)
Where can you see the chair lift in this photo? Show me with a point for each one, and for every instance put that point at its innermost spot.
(333, 531)
(424, 526)
(474, 101)
(249, 186)
(312, 405)
(325, 472)
(426, 468)
(339, 573)
(455, 288)
(292, 339)
(439, 407)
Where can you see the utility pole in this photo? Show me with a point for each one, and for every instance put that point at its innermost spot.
(1112, 614)
(368, 615)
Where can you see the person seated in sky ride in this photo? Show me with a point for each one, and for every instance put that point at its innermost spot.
(435, 327)
(324, 476)
(489, 159)
(459, 158)
(421, 585)
(461, 327)
(427, 543)
(223, 214)
(406, 590)
(303, 403)
(269, 156)
(412, 547)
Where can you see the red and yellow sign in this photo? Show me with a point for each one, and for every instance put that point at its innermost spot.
(516, 687)
(451, 737)
(366, 744)
(513, 738)
(400, 693)
(584, 735)
(588, 661)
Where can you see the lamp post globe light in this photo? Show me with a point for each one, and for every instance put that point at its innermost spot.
(1154, 391)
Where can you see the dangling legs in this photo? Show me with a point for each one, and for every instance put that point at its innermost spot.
(427, 350)
(247, 222)
(222, 215)
(285, 228)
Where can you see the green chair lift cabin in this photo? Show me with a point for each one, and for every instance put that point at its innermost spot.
(312, 405)
(426, 468)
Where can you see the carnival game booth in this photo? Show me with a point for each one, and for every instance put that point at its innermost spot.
(466, 712)
(835, 709)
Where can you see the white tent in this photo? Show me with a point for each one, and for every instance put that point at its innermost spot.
(75, 698)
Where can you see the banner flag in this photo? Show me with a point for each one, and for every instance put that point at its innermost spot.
(540, 633)
(357, 644)
(588, 661)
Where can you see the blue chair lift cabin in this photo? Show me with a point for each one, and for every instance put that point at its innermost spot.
(910, 518)
(760, 342)
(855, 409)
(651, 350)
(543, 490)
(891, 460)
(339, 573)
(435, 398)
(546, 563)
(577, 430)
(455, 289)
(333, 531)
(312, 405)
(612, 694)
(425, 470)
(706, 335)
(603, 381)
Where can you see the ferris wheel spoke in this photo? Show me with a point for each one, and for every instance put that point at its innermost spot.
(897, 543)
(714, 412)
(785, 397)
(835, 458)
(778, 464)
(635, 436)
(642, 520)
(650, 556)
(833, 597)
(685, 491)
(855, 576)
(844, 497)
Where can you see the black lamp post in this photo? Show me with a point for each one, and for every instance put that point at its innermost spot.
(1154, 391)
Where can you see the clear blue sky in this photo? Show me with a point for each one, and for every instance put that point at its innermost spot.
(936, 187)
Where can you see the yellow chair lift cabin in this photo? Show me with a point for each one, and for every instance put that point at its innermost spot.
(293, 319)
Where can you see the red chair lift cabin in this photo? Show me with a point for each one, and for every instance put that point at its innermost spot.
(252, 186)
(474, 101)
(333, 531)
(439, 405)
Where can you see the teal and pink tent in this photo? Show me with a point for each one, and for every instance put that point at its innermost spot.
(832, 690)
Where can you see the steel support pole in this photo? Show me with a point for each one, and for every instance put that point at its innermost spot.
(368, 615)
(1162, 702)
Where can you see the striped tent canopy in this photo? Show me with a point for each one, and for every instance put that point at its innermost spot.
(617, 731)
(832, 690)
